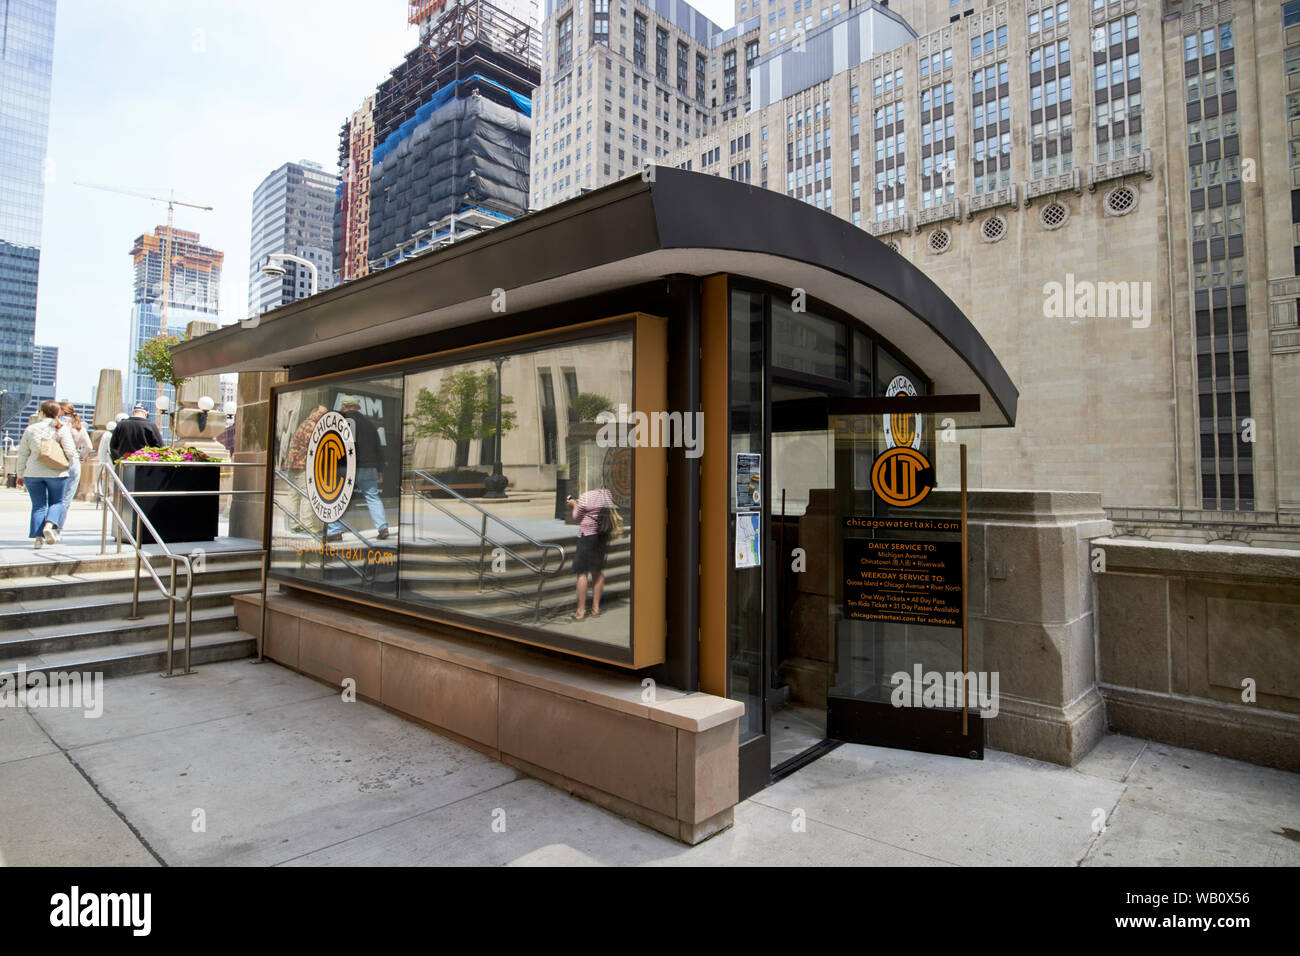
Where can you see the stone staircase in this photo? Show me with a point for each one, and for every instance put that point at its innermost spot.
(73, 616)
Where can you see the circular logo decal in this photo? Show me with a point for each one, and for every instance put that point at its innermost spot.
(902, 477)
(616, 472)
(902, 430)
(331, 466)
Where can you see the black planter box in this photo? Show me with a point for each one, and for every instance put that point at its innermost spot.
(182, 517)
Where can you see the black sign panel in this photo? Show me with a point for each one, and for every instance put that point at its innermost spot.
(903, 582)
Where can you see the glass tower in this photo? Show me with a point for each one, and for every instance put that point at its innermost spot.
(26, 66)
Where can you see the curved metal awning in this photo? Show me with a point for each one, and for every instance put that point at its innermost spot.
(621, 235)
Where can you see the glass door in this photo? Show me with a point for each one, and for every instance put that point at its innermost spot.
(803, 508)
(894, 559)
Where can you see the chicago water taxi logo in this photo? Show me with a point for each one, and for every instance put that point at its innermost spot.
(902, 476)
(331, 466)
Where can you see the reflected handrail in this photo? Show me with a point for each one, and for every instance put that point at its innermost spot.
(367, 572)
(540, 570)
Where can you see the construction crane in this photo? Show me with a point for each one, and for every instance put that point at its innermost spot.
(172, 202)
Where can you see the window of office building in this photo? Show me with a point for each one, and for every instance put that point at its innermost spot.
(1117, 89)
(1051, 110)
(991, 128)
(1218, 270)
(729, 76)
(600, 21)
(564, 43)
(1051, 15)
(639, 27)
(938, 145)
(889, 158)
(661, 54)
(751, 57)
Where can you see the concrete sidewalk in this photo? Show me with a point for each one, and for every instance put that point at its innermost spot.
(252, 764)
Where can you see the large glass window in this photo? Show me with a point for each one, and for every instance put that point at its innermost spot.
(337, 474)
(493, 491)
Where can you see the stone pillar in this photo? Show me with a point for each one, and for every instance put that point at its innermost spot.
(1031, 611)
(252, 420)
(108, 404)
(108, 398)
(187, 396)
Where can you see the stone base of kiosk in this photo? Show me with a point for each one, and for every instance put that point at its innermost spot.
(672, 765)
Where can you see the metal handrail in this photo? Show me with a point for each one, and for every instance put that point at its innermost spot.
(484, 539)
(106, 496)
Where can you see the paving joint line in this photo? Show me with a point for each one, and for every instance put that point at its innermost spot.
(414, 816)
(843, 829)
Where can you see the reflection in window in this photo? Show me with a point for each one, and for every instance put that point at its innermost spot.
(334, 521)
(512, 555)
(472, 495)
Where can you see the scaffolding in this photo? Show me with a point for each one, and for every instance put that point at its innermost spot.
(448, 132)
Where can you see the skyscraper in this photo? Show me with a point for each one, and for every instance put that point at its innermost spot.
(44, 376)
(293, 212)
(440, 151)
(194, 294)
(26, 66)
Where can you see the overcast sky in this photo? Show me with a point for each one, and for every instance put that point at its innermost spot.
(205, 97)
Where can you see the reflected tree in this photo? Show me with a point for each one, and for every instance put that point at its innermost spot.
(462, 410)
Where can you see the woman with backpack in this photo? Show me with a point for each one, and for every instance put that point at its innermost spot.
(598, 521)
(44, 453)
(81, 442)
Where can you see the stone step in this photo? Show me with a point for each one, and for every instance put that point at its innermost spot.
(70, 607)
(104, 634)
(140, 656)
(50, 563)
(19, 591)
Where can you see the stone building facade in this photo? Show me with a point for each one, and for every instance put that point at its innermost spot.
(1102, 186)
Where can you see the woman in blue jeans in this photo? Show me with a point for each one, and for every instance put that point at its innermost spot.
(42, 478)
(81, 442)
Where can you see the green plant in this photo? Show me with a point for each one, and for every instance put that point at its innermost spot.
(171, 455)
(587, 405)
(154, 358)
(463, 409)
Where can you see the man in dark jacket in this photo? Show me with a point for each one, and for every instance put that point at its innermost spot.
(134, 433)
(365, 437)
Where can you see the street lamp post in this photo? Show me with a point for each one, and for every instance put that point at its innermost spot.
(277, 271)
(495, 483)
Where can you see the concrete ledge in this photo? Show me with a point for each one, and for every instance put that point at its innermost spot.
(671, 764)
(1216, 561)
(1238, 731)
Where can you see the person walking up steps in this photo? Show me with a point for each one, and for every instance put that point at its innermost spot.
(44, 453)
(71, 422)
(135, 433)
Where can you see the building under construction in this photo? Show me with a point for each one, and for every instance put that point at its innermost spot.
(193, 293)
(444, 140)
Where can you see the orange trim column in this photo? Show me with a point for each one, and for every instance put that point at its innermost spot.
(714, 545)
